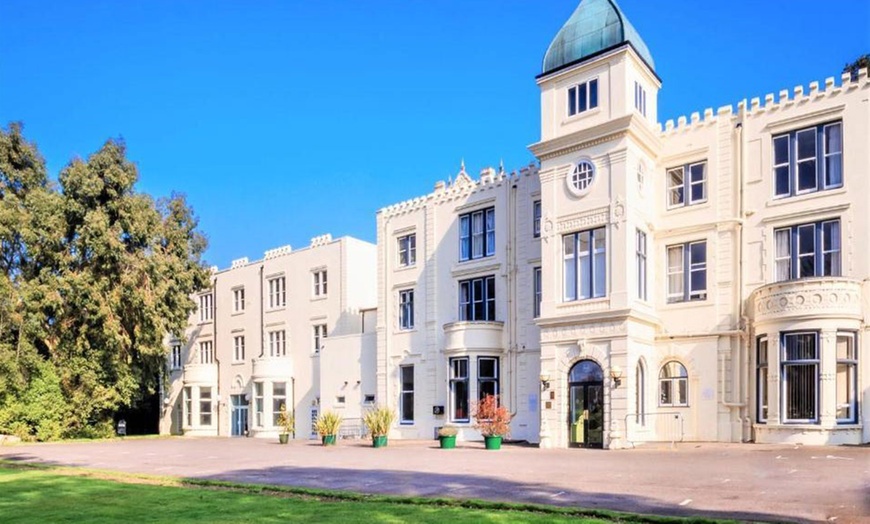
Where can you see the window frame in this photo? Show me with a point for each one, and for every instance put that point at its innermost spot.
(206, 352)
(673, 383)
(588, 91)
(238, 348)
(641, 261)
(687, 267)
(469, 300)
(537, 211)
(786, 363)
(319, 281)
(277, 291)
(206, 406)
(319, 337)
(537, 285)
(406, 309)
(187, 399)
(821, 155)
(278, 343)
(477, 242)
(206, 307)
(407, 250)
(640, 98)
(686, 185)
(851, 365)
(175, 357)
(762, 371)
(582, 177)
(791, 261)
(239, 299)
(640, 394)
(277, 400)
(456, 379)
(259, 403)
(495, 378)
(588, 261)
(406, 395)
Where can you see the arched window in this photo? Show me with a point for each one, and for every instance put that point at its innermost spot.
(586, 371)
(673, 385)
(639, 395)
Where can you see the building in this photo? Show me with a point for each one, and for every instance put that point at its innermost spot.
(259, 336)
(707, 280)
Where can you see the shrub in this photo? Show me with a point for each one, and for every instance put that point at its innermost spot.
(379, 420)
(328, 423)
(491, 419)
(287, 420)
(447, 431)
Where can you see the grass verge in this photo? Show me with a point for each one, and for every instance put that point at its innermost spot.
(43, 493)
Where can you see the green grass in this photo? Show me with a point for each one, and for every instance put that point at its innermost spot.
(60, 494)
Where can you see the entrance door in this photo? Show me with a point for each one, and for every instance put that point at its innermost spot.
(239, 416)
(586, 405)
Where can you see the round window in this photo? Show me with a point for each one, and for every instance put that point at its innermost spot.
(581, 178)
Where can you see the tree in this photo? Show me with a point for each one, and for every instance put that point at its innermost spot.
(862, 62)
(96, 275)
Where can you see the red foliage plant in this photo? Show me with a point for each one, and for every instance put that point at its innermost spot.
(492, 419)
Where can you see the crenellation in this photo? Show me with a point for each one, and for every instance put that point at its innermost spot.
(829, 83)
(696, 117)
(814, 88)
(321, 240)
(239, 262)
(278, 251)
(798, 93)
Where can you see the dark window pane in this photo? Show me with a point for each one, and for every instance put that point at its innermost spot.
(807, 175)
(833, 170)
(698, 253)
(699, 280)
(697, 192)
(780, 150)
(806, 144)
(593, 94)
(782, 180)
(487, 368)
(582, 97)
(572, 101)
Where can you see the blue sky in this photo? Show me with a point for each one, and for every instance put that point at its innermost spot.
(285, 120)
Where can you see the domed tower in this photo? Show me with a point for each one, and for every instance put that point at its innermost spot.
(598, 150)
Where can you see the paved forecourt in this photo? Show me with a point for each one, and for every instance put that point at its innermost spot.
(753, 482)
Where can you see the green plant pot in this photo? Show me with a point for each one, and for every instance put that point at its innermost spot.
(328, 440)
(379, 442)
(493, 442)
(284, 438)
(448, 442)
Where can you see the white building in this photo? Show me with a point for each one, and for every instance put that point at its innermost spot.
(259, 339)
(707, 280)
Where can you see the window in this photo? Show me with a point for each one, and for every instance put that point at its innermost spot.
(340, 399)
(319, 337)
(406, 402)
(279, 398)
(583, 97)
(538, 283)
(687, 185)
(188, 407)
(406, 309)
(673, 385)
(239, 348)
(640, 395)
(368, 399)
(808, 160)
(581, 178)
(585, 271)
(487, 377)
(640, 98)
(258, 404)
(206, 307)
(408, 250)
(640, 239)
(477, 299)
(459, 389)
(847, 378)
(206, 352)
(277, 343)
(477, 234)
(807, 250)
(641, 176)
(687, 272)
(175, 357)
(536, 219)
(205, 406)
(277, 292)
(800, 377)
(761, 367)
(320, 283)
(238, 300)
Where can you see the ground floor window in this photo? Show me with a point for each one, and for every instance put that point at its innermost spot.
(205, 406)
(847, 378)
(487, 377)
(188, 407)
(761, 379)
(258, 404)
(673, 385)
(279, 398)
(459, 389)
(800, 377)
(406, 402)
(639, 396)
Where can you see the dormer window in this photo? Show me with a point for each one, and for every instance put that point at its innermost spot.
(583, 97)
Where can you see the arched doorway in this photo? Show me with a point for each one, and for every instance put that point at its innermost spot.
(586, 405)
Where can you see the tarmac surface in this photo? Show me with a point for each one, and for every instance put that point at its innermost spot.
(741, 481)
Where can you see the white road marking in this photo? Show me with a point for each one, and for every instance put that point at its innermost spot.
(557, 494)
(683, 503)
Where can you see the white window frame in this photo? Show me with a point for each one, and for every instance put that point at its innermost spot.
(640, 98)
(406, 309)
(786, 363)
(582, 177)
(406, 394)
(849, 361)
(278, 343)
(580, 265)
(536, 219)
(787, 255)
(238, 299)
(762, 370)
(455, 365)
(538, 284)
(494, 379)
(687, 266)
(640, 394)
(319, 281)
(407, 250)
(206, 406)
(239, 348)
(277, 291)
(677, 386)
(277, 400)
(187, 399)
(582, 97)
(470, 298)
(206, 352)
(822, 154)
(680, 193)
(259, 403)
(319, 336)
(477, 234)
(206, 307)
(175, 357)
(641, 259)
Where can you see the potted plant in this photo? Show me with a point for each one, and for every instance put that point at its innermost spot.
(447, 437)
(379, 420)
(327, 426)
(492, 420)
(287, 422)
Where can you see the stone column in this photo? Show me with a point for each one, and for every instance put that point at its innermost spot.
(828, 378)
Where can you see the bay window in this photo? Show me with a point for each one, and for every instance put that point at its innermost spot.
(477, 299)
(800, 377)
(459, 389)
(847, 378)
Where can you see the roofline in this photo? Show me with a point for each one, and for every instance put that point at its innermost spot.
(626, 43)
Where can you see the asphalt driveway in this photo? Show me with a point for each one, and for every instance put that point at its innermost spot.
(751, 482)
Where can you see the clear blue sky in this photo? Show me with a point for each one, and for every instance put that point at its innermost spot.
(286, 120)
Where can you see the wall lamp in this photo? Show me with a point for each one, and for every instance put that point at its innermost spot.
(545, 381)
(616, 375)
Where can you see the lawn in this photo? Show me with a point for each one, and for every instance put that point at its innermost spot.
(41, 496)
